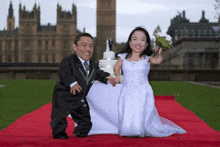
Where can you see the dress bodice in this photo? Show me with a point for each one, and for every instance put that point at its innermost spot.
(135, 72)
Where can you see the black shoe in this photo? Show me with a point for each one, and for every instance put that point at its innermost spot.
(60, 137)
(81, 134)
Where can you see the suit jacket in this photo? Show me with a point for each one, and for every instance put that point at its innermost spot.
(71, 70)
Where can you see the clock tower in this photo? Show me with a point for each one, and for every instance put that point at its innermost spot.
(106, 22)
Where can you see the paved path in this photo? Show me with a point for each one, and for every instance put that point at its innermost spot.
(213, 84)
(1, 85)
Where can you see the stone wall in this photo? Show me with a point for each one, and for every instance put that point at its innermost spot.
(50, 71)
(192, 53)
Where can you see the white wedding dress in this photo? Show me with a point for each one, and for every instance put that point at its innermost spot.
(129, 108)
(138, 115)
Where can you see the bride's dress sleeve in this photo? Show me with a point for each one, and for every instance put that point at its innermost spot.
(122, 56)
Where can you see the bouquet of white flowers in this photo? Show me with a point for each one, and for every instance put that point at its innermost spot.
(161, 42)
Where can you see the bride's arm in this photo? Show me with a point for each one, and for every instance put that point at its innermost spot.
(155, 60)
(117, 68)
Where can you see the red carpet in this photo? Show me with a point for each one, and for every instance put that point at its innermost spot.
(33, 130)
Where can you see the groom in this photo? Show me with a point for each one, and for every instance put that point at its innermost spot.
(76, 75)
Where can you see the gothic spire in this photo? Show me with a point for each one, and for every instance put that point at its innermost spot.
(10, 11)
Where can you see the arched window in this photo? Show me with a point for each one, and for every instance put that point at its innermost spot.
(46, 44)
(28, 29)
(66, 29)
(9, 46)
(39, 58)
(53, 44)
(46, 58)
(9, 26)
(28, 45)
(53, 58)
(28, 50)
(9, 58)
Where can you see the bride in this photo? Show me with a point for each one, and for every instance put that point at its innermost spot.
(129, 109)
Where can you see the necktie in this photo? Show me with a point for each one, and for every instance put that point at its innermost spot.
(86, 65)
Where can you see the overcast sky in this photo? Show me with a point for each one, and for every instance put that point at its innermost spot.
(129, 13)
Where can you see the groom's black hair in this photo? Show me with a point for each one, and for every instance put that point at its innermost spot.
(126, 49)
(82, 35)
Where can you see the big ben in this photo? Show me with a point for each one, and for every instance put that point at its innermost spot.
(106, 22)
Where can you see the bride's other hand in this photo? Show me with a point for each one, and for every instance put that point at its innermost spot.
(118, 79)
(111, 80)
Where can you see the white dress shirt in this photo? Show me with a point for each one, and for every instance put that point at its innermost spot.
(71, 85)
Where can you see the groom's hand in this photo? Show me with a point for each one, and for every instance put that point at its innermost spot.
(111, 80)
(74, 88)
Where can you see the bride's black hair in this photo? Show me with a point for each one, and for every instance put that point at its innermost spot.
(126, 49)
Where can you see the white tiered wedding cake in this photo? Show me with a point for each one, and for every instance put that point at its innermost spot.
(108, 62)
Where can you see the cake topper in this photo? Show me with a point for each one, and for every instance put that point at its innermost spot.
(109, 45)
(110, 42)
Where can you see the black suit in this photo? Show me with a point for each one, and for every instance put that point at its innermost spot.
(65, 103)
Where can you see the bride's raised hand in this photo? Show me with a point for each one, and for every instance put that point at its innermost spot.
(159, 50)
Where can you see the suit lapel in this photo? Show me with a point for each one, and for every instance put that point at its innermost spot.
(90, 67)
(91, 71)
(79, 65)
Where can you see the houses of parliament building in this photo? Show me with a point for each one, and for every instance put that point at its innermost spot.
(34, 51)
(32, 42)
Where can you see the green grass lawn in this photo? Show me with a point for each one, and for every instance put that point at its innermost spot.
(19, 97)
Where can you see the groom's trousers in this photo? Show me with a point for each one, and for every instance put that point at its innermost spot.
(80, 115)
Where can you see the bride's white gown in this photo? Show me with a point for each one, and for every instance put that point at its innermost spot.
(132, 112)
(138, 115)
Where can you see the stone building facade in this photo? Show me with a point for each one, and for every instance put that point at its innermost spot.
(32, 42)
(196, 45)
